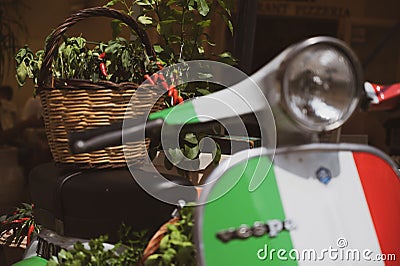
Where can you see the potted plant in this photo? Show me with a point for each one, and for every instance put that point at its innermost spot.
(16, 231)
(84, 84)
(180, 27)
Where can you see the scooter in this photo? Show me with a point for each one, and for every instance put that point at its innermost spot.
(295, 200)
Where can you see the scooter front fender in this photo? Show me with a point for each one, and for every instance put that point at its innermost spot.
(326, 203)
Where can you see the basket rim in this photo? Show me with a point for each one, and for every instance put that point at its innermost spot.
(55, 38)
(68, 84)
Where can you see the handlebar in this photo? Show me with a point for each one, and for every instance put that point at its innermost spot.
(98, 138)
(107, 136)
(382, 97)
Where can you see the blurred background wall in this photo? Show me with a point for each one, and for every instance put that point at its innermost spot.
(371, 28)
(367, 25)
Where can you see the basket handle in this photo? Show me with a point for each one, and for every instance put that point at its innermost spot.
(56, 36)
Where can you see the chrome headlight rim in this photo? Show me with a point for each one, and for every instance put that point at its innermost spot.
(296, 50)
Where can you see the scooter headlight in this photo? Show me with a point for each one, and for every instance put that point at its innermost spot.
(321, 84)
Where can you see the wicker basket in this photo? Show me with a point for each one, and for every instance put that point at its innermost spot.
(77, 105)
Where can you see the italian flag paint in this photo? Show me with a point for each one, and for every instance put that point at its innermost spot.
(352, 220)
(33, 261)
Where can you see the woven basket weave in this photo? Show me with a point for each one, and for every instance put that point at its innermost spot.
(77, 105)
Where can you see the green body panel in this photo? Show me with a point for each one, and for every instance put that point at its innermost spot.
(33, 261)
(178, 115)
(240, 206)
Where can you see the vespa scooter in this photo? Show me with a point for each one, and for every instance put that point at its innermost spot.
(295, 200)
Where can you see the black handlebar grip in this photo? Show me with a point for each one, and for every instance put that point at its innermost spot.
(108, 136)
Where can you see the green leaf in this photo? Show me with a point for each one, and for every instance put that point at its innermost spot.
(39, 54)
(202, 7)
(158, 48)
(63, 254)
(230, 26)
(176, 155)
(22, 74)
(227, 58)
(116, 27)
(53, 262)
(145, 20)
(191, 152)
(158, 28)
(204, 23)
(225, 55)
(200, 49)
(191, 4)
(113, 48)
(112, 2)
(223, 5)
(228, 23)
(21, 54)
(191, 138)
(164, 245)
(203, 91)
(216, 154)
(144, 2)
(79, 42)
(209, 43)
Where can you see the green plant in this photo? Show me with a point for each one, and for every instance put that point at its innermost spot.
(19, 225)
(76, 60)
(126, 252)
(188, 153)
(176, 247)
(180, 24)
(182, 30)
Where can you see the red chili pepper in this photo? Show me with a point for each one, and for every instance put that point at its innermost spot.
(171, 91)
(180, 99)
(30, 231)
(19, 220)
(159, 65)
(175, 96)
(149, 79)
(103, 69)
(155, 77)
(102, 55)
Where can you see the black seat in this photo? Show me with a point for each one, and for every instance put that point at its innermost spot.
(89, 203)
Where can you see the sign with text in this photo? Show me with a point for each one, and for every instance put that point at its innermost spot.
(312, 8)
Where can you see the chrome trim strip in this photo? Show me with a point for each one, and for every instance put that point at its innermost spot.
(341, 147)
